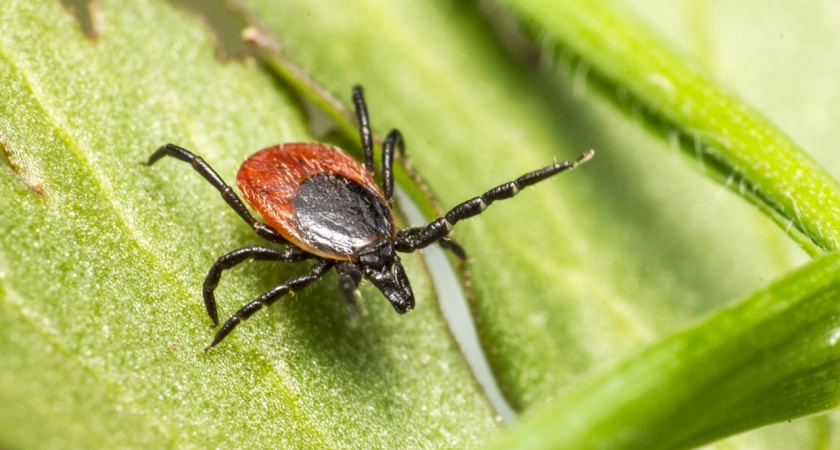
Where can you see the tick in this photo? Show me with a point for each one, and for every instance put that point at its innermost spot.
(326, 207)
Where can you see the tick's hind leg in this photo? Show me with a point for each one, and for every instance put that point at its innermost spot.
(365, 134)
(394, 142)
(264, 301)
(227, 192)
(237, 257)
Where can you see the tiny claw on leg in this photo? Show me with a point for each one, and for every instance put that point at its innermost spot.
(216, 340)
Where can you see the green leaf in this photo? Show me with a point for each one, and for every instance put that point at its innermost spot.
(102, 259)
(574, 273)
(619, 55)
(630, 251)
(770, 358)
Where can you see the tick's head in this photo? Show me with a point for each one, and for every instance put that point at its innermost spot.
(384, 269)
(378, 256)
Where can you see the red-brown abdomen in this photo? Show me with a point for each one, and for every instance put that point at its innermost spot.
(269, 182)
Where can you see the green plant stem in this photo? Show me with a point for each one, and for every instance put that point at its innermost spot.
(772, 357)
(732, 142)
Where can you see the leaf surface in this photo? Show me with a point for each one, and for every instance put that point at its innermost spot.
(102, 260)
(575, 272)
(633, 249)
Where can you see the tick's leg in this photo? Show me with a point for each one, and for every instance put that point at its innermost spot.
(394, 140)
(447, 243)
(264, 301)
(441, 227)
(227, 192)
(364, 126)
(237, 257)
(351, 276)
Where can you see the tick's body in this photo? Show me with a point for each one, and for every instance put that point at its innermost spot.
(327, 207)
(317, 197)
